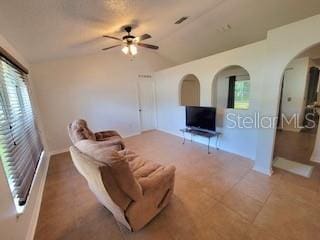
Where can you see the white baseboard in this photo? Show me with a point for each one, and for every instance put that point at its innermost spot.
(169, 132)
(181, 136)
(203, 143)
(314, 160)
(37, 205)
(265, 171)
(132, 135)
(58, 151)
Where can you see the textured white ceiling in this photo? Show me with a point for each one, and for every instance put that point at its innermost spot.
(49, 29)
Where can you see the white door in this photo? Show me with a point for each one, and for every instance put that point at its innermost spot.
(146, 103)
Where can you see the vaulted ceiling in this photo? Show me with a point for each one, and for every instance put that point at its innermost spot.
(50, 29)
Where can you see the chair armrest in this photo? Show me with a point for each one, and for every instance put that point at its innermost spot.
(106, 134)
(160, 179)
(128, 155)
(112, 136)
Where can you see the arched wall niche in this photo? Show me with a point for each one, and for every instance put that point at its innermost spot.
(221, 86)
(189, 91)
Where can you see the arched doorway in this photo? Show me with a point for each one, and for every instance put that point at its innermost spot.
(298, 114)
(279, 53)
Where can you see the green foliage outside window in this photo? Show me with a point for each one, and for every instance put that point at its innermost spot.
(242, 92)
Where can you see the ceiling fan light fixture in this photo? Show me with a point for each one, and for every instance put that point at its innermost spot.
(129, 43)
(125, 50)
(133, 49)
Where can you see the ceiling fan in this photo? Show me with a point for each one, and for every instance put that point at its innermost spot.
(130, 42)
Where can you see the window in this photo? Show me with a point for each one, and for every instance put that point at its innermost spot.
(241, 94)
(238, 93)
(20, 144)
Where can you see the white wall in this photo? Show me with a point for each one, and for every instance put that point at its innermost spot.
(171, 116)
(13, 226)
(294, 90)
(265, 61)
(101, 88)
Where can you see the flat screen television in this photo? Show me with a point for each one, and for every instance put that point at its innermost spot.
(201, 118)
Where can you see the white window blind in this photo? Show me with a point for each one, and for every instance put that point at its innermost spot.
(20, 144)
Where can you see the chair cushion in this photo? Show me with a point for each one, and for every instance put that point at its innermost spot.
(145, 171)
(124, 176)
(120, 169)
(143, 168)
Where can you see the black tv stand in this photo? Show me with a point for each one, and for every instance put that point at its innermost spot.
(203, 133)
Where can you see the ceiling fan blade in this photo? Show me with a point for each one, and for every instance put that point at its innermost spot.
(143, 37)
(115, 38)
(111, 47)
(148, 46)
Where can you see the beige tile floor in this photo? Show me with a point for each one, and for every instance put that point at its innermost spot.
(217, 196)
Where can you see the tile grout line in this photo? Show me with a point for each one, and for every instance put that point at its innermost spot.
(221, 202)
(264, 203)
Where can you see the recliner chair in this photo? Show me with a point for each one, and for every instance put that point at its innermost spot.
(133, 189)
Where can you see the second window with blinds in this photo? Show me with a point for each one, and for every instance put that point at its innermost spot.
(20, 144)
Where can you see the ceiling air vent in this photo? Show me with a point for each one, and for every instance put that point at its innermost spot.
(224, 28)
(181, 20)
